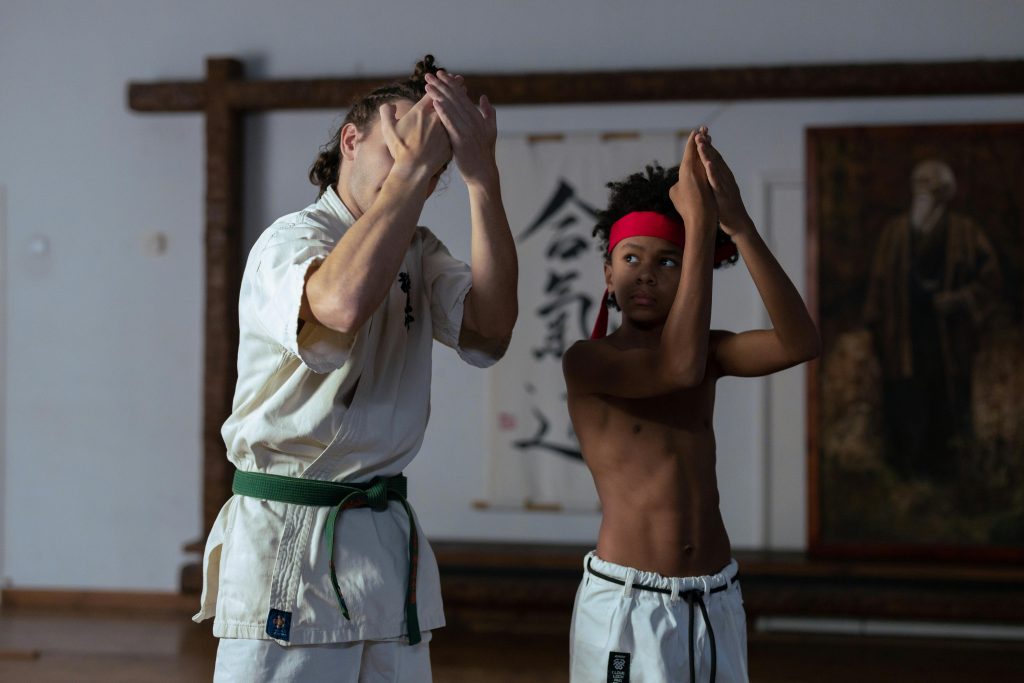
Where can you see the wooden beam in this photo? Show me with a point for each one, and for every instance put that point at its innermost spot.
(223, 275)
(896, 79)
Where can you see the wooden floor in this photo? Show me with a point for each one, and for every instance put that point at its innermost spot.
(44, 645)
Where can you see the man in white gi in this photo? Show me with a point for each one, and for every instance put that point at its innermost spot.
(315, 570)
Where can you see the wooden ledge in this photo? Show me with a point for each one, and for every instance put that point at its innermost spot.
(553, 558)
(534, 586)
(99, 601)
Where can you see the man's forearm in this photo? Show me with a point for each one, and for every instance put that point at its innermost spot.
(355, 277)
(493, 301)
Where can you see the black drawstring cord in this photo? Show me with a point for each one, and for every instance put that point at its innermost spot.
(698, 597)
(693, 663)
(711, 637)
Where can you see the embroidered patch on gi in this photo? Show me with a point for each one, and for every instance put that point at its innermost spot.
(618, 667)
(279, 624)
(406, 285)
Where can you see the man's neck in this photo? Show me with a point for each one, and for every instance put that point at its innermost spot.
(346, 198)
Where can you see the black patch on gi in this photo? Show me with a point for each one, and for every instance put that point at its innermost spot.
(279, 624)
(618, 667)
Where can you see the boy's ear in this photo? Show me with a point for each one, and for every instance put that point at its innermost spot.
(608, 275)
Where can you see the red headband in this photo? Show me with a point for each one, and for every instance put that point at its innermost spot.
(646, 224)
(637, 224)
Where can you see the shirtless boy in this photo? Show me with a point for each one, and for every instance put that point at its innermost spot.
(659, 599)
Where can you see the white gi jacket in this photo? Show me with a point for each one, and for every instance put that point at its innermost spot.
(309, 404)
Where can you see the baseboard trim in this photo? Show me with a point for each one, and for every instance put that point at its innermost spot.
(93, 601)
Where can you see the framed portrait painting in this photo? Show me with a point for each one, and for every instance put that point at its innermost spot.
(916, 406)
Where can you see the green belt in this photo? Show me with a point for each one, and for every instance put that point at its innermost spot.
(374, 494)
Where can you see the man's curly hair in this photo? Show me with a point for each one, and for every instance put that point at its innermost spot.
(648, 191)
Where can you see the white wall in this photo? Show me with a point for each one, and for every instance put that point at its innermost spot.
(3, 362)
(102, 447)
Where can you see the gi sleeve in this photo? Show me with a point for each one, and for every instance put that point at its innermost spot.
(282, 264)
(448, 281)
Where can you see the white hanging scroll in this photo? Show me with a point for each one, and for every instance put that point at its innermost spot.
(552, 187)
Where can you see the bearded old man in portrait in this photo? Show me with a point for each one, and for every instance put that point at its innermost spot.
(934, 282)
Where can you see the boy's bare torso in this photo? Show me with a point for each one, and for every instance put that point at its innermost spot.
(653, 463)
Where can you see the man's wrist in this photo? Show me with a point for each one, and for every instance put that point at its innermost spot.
(410, 172)
(484, 189)
(486, 180)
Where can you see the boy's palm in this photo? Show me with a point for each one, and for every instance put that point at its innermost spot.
(731, 212)
(692, 194)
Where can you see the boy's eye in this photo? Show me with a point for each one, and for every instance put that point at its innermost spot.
(670, 262)
(630, 258)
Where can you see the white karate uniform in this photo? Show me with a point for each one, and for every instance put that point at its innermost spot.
(312, 403)
(365, 661)
(631, 626)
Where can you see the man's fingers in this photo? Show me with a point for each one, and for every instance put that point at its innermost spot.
(443, 93)
(455, 116)
(387, 116)
(462, 113)
(444, 113)
(454, 80)
(446, 85)
(490, 116)
(460, 81)
(487, 109)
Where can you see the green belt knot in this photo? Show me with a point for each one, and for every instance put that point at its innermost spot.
(377, 495)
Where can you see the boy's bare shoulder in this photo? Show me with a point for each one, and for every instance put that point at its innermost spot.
(583, 356)
(587, 348)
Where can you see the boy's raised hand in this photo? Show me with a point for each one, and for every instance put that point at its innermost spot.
(732, 214)
(692, 195)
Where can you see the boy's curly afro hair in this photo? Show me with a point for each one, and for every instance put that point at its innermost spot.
(648, 191)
